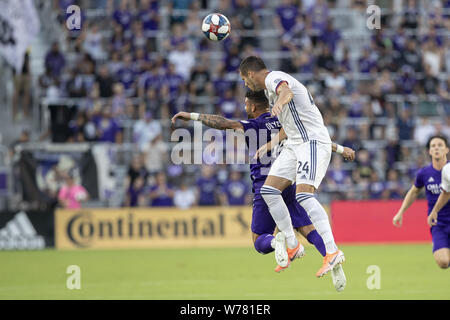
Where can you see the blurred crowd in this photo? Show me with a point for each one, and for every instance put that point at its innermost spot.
(144, 60)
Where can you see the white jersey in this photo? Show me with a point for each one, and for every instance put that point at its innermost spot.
(445, 178)
(300, 118)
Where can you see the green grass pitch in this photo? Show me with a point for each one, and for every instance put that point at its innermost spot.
(406, 272)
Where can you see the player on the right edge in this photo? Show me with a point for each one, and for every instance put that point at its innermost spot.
(438, 205)
(304, 160)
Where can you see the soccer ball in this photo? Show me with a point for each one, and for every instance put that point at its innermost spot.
(216, 27)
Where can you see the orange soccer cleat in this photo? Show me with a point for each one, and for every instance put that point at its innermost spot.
(330, 261)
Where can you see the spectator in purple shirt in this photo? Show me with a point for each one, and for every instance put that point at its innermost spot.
(161, 194)
(330, 36)
(135, 192)
(235, 192)
(107, 127)
(148, 15)
(173, 79)
(366, 62)
(54, 61)
(122, 15)
(126, 75)
(206, 186)
(228, 104)
(319, 15)
(286, 15)
(221, 83)
(406, 82)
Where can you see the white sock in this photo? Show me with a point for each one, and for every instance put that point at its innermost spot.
(279, 213)
(319, 218)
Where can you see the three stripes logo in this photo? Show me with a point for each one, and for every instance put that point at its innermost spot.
(19, 233)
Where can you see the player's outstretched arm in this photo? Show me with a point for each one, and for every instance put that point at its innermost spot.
(410, 197)
(210, 120)
(280, 136)
(346, 152)
(444, 197)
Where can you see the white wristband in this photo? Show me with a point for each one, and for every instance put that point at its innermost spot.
(339, 149)
(194, 116)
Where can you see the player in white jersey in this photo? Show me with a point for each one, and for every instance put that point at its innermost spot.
(304, 159)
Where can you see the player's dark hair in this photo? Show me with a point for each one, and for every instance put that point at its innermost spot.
(438, 137)
(258, 98)
(252, 63)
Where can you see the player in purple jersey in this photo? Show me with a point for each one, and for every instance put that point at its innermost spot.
(263, 225)
(430, 178)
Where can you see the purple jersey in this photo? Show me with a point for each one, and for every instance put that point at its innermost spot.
(259, 170)
(430, 178)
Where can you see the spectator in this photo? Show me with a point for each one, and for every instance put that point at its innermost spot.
(183, 59)
(405, 125)
(156, 155)
(247, 21)
(325, 59)
(429, 83)
(104, 82)
(93, 42)
(146, 130)
(235, 191)
(199, 82)
(376, 186)
(161, 194)
(229, 105)
(135, 192)
(364, 167)
(136, 169)
(393, 188)
(206, 186)
(55, 61)
(286, 16)
(411, 56)
(330, 36)
(184, 196)
(107, 127)
(126, 76)
(71, 194)
(122, 16)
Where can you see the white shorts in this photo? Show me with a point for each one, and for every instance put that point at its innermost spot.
(304, 163)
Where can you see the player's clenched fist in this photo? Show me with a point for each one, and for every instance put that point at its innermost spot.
(348, 154)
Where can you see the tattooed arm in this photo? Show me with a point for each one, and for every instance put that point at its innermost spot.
(211, 120)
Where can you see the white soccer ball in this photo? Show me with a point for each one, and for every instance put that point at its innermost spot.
(216, 27)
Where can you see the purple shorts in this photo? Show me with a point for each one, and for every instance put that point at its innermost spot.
(441, 236)
(262, 221)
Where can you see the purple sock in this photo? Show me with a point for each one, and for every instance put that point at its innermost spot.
(314, 238)
(262, 243)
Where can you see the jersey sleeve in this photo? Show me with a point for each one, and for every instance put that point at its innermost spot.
(419, 183)
(274, 80)
(445, 180)
(249, 124)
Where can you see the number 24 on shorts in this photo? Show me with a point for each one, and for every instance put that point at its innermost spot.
(303, 167)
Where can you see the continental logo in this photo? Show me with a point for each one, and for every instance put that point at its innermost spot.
(147, 228)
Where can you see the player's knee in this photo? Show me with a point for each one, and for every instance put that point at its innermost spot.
(261, 246)
(443, 263)
(270, 194)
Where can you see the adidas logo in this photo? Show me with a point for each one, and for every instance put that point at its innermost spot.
(19, 233)
(431, 179)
